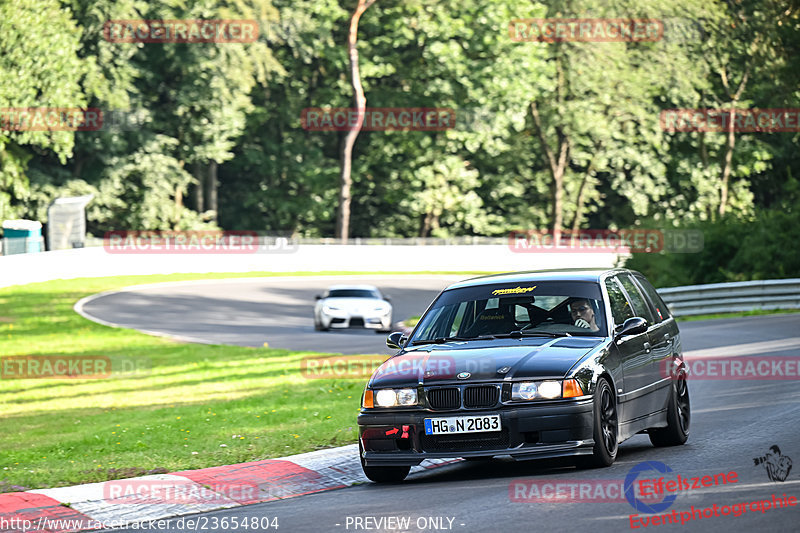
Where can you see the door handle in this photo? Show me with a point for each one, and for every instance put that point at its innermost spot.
(647, 346)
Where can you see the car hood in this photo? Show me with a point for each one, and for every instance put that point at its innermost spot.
(484, 361)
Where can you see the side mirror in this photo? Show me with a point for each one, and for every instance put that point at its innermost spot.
(318, 297)
(633, 326)
(387, 299)
(396, 340)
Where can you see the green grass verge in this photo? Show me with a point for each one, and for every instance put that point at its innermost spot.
(411, 321)
(739, 314)
(198, 406)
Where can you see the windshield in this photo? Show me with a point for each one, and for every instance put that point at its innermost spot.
(530, 308)
(352, 293)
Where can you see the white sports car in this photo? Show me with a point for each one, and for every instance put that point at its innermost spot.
(348, 306)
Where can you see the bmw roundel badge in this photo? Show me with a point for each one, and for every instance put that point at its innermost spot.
(463, 375)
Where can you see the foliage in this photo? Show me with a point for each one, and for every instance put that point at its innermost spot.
(196, 108)
(735, 249)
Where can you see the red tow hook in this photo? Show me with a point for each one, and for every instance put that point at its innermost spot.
(395, 431)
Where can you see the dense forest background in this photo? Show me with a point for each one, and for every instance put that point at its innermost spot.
(562, 134)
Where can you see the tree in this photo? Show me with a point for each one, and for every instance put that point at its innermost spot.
(360, 101)
(745, 48)
(39, 67)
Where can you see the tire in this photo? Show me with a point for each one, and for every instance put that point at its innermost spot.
(606, 428)
(679, 416)
(383, 474)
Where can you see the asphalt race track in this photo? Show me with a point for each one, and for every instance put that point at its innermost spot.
(733, 422)
(252, 311)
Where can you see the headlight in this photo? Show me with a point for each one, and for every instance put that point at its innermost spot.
(328, 309)
(406, 397)
(394, 397)
(546, 390)
(386, 398)
(550, 389)
(523, 391)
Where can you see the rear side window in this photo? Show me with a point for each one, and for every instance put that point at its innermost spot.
(638, 302)
(620, 308)
(662, 311)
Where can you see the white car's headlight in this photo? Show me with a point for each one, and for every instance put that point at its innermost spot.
(393, 397)
(328, 308)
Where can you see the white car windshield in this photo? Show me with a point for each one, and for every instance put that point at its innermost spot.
(352, 293)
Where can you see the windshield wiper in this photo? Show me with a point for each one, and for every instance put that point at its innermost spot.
(519, 333)
(442, 340)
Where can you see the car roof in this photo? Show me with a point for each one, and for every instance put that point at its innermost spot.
(573, 274)
(353, 287)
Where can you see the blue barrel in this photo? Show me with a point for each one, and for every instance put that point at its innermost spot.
(21, 237)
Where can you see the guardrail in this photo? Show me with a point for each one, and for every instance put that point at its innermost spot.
(733, 297)
(92, 241)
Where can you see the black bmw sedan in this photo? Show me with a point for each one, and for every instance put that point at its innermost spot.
(528, 365)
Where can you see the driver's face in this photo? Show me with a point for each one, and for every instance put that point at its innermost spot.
(581, 309)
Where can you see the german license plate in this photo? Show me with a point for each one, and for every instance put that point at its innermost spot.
(462, 424)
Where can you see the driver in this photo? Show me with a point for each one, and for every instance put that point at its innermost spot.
(583, 314)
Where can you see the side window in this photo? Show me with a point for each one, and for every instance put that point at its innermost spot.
(459, 319)
(620, 308)
(521, 314)
(662, 311)
(432, 321)
(638, 302)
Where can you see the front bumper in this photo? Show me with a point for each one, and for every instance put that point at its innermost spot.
(341, 319)
(555, 429)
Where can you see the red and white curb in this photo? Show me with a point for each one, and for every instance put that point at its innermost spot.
(121, 502)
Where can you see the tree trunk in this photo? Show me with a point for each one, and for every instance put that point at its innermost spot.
(726, 164)
(578, 218)
(556, 167)
(211, 189)
(731, 140)
(346, 154)
(587, 176)
(197, 188)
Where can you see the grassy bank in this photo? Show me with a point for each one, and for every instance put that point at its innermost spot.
(189, 406)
